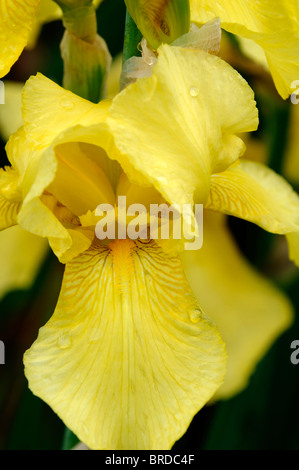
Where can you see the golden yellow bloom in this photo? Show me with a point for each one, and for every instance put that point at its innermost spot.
(214, 174)
(128, 357)
(21, 252)
(274, 26)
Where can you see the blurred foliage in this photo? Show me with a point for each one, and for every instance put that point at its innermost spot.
(264, 416)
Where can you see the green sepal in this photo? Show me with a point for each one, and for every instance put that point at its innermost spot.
(160, 21)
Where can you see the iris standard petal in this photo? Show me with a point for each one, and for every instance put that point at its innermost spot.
(49, 109)
(179, 125)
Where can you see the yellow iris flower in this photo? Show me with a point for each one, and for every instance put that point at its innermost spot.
(20, 24)
(21, 252)
(128, 357)
(273, 26)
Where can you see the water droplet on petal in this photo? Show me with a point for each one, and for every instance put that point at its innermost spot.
(195, 315)
(149, 60)
(66, 104)
(64, 341)
(163, 180)
(194, 91)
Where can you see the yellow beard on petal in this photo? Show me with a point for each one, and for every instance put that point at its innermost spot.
(121, 253)
(128, 357)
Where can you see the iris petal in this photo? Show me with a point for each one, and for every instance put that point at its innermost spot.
(127, 358)
(16, 22)
(201, 103)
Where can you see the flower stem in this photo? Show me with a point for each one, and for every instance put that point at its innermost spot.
(85, 54)
(278, 136)
(132, 38)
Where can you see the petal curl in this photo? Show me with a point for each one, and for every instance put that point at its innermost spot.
(257, 16)
(21, 255)
(253, 192)
(272, 25)
(49, 109)
(37, 166)
(127, 358)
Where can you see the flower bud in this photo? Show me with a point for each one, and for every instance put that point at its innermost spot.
(160, 21)
(85, 66)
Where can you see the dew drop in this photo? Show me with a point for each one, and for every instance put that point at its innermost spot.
(66, 104)
(194, 91)
(64, 341)
(163, 180)
(195, 315)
